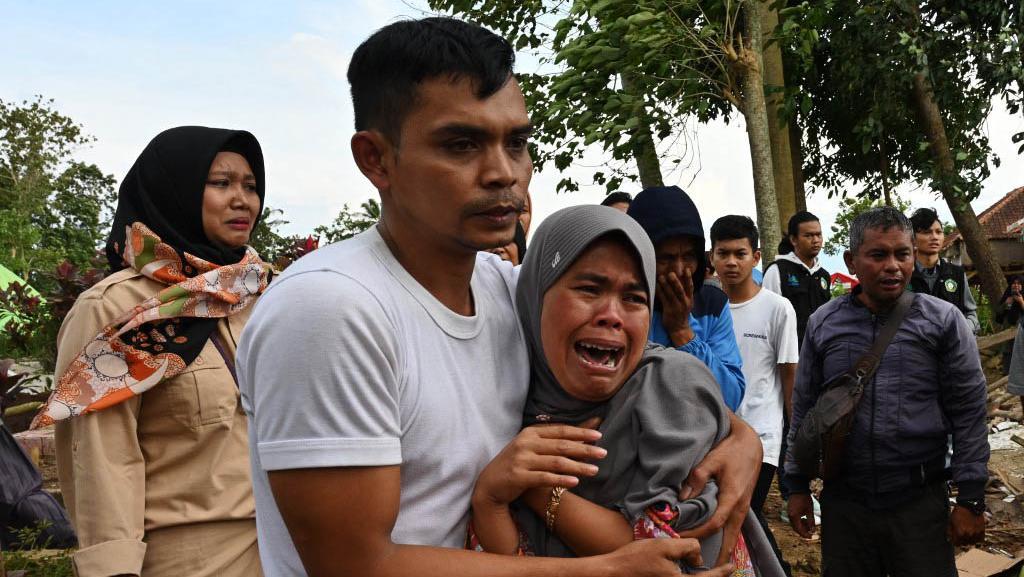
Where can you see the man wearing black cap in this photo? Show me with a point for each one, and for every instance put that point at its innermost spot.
(618, 200)
(688, 315)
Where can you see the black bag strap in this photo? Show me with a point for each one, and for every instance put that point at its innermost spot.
(866, 366)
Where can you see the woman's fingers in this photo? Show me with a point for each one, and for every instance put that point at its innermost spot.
(568, 432)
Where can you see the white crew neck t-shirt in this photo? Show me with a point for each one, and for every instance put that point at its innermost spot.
(765, 328)
(348, 361)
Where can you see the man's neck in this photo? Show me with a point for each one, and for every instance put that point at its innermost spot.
(741, 292)
(874, 307)
(445, 272)
(807, 260)
(928, 260)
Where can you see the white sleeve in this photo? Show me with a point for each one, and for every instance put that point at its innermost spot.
(771, 280)
(319, 370)
(787, 348)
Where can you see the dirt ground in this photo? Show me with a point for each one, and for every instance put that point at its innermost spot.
(1005, 531)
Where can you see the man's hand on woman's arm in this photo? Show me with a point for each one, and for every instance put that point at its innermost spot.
(340, 520)
(734, 464)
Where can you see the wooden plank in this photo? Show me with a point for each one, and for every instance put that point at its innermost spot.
(998, 338)
(998, 384)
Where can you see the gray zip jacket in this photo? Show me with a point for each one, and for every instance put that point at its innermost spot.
(929, 384)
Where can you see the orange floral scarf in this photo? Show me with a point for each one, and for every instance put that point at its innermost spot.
(156, 339)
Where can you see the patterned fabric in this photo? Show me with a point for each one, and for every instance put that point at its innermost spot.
(657, 524)
(159, 337)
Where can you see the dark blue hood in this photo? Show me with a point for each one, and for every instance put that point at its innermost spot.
(667, 211)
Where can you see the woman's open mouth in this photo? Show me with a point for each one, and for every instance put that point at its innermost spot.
(599, 355)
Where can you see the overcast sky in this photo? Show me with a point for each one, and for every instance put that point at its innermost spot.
(128, 70)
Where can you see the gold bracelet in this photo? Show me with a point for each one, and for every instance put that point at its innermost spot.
(552, 510)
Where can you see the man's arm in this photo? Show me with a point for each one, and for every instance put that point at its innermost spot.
(787, 355)
(735, 464)
(970, 307)
(964, 395)
(341, 518)
(787, 374)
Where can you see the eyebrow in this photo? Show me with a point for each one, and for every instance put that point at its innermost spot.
(601, 279)
(246, 176)
(471, 131)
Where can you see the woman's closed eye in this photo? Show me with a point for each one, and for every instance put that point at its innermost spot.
(591, 289)
(636, 298)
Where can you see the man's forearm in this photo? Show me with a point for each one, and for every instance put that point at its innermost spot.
(744, 433)
(405, 560)
(787, 372)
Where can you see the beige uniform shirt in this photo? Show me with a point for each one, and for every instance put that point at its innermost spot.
(176, 455)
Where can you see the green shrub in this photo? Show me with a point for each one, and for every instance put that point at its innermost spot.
(39, 562)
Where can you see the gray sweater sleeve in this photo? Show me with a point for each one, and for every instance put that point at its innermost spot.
(679, 421)
(964, 395)
(970, 307)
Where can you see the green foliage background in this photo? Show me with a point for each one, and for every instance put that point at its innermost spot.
(52, 207)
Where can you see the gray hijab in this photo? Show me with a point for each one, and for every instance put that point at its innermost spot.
(556, 245)
(658, 426)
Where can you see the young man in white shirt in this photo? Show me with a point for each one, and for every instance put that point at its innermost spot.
(382, 375)
(765, 327)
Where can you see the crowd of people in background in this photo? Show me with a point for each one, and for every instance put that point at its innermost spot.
(437, 397)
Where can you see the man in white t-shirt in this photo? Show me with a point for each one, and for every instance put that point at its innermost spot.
(765, 327)
(384, 375)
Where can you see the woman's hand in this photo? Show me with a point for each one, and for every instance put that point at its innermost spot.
(539, 456)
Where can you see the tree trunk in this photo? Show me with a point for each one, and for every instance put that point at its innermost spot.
(796, 153)
(647, 164)
(993, 283)
(778, 131)
(756, 114)
(884, 170)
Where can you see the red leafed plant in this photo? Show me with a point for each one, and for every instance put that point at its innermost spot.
(33, 321)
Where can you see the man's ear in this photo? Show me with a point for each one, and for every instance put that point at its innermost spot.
(757, 257)
(848, 259)
(373, 154)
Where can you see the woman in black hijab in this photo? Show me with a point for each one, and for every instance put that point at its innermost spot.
(151, 439)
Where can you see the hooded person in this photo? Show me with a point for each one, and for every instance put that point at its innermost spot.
(688, 315)
(151, 441)
(661, 411)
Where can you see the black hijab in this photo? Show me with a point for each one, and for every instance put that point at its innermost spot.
(164, 191)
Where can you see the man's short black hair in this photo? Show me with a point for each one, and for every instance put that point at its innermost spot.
(387, 68)
(924, 218)
(733, 227)
(883, 218)
(617, 197)
(793, 229)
